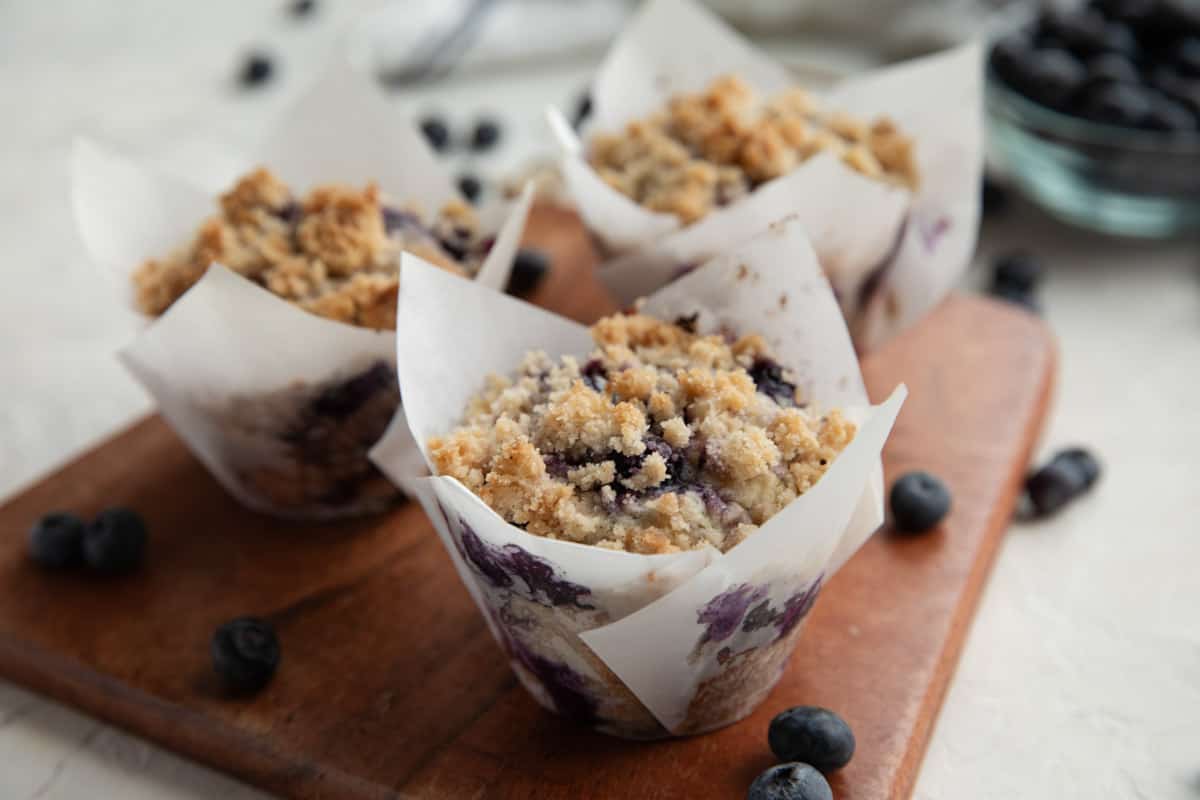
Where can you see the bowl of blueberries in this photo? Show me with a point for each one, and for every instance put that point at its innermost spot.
(1095, 113)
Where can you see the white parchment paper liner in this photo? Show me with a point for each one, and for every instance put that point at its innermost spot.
(890, 254)
(231, 365)
(645, 646)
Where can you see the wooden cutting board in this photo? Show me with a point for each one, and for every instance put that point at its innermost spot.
(391, 686)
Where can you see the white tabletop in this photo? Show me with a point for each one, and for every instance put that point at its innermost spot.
(1081, 674)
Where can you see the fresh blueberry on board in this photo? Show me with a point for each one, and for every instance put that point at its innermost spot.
(485, 135)
(115, 541)
(528, 270)
(1085, 461)
(257, 69)
(813, 735)
(919, 502)
(470, 187)
(245, 654)
(56, 540)
(436, 132)
(790, 782)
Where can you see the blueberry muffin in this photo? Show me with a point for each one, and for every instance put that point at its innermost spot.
(661, 440)
(710, 149)
(334, 252)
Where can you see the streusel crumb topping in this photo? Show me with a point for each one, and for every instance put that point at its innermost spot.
(661, 440)
(334, 252)
(711, 148)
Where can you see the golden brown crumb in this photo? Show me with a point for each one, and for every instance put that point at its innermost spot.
(333, 253)
(709, 149)
(664, 440)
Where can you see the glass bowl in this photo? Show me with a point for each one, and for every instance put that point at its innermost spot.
(1117, 180)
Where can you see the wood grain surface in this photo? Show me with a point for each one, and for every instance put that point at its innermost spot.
(391, 686)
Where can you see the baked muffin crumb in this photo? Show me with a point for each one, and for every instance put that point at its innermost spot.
(661, 440)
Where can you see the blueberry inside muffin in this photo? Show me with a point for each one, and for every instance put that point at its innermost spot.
(660, 440)
(709, 149)
(334, 252)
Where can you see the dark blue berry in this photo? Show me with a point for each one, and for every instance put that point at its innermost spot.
(1118, 104)
(1017, 270)
(1085, 461)
(56, 540)
(115, 541)
(769, 379)
(1053, 77)
(594, 374)
(245, 654)
(583, 110)
(302, 8)
(919, 502)
(790, 782)
(256, 70)
(813, 735)
(470, 187)
(1111, 68)
(528, 270)
(1009, 59)
(1169, 116)
(994, 196)
(1186, 57)
(436, 132)
(1057, 483)
(485, 135)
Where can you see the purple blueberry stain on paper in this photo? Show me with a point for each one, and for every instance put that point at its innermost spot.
(796, 607)
(503, 566)
(933, 231)
(724, 613)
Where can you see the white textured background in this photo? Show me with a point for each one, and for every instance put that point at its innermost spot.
(1081, 676)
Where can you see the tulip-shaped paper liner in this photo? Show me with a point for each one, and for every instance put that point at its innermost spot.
(281, 405)
(890, 253)
(582, 625)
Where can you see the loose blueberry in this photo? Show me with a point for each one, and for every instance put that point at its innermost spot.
(1085, 461)
(813, 735)
(995, 196)
(1118, 104)
(56, 540)
(436, 132)
(529, 268)
(1054, 485)
(115, 541)
(583, 110)
(1018, 270)
(1018, 297)
(302, 8)
(485, 134)
(256, 70)
(470, 187)
(245, 654)
(790, 782)
(919, 502)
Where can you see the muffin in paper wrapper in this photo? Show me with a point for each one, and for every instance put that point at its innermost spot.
(281, 405)
(890, 253)
(645, 646)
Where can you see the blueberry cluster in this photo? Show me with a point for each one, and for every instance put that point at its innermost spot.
(809, 740)
(113, 543)
(1128, 63)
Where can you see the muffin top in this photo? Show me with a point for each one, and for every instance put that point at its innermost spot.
(334, 252)
(661, 440)
(709, 149)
